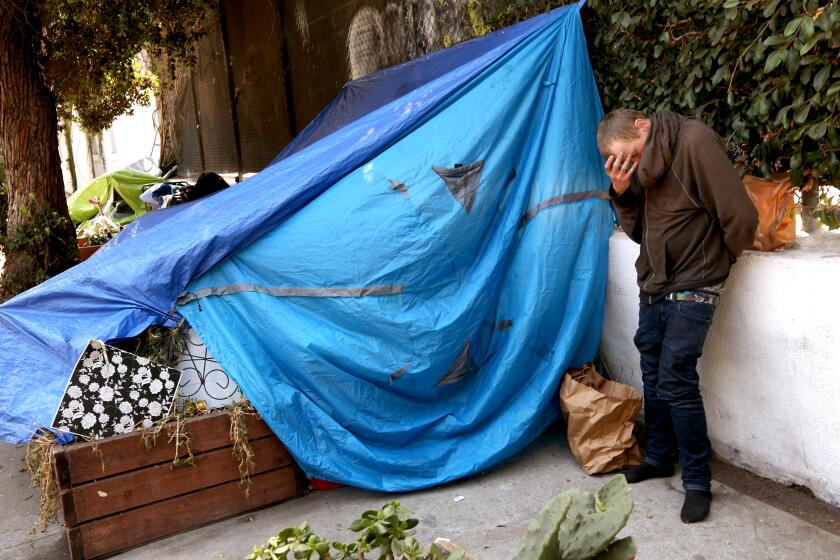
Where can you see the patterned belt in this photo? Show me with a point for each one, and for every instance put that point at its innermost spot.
(696, 297)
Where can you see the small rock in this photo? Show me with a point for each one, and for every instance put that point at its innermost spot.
(459, 498)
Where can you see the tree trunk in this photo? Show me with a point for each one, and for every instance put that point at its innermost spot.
(810, 200)
(167, 102)
(67, 125)
(29, 144)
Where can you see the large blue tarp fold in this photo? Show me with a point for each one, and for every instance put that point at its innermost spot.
(398, 294)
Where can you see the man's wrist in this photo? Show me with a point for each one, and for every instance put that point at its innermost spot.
(619, 189)
(623, 198)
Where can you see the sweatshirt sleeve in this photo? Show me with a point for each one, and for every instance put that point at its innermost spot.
(627, 208)
(722, 192)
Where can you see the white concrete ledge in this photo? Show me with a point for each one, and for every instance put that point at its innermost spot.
(770, 372)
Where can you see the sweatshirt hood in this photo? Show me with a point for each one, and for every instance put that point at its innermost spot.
(658, 153)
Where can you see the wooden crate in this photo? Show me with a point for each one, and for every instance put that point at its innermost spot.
(117, 494)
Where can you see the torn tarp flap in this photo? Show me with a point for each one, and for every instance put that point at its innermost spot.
(399, 373)
(463, 366)
(503, 325)
(462, 182)
(397, 186)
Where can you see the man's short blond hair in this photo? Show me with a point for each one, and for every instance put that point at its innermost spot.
(617, 125)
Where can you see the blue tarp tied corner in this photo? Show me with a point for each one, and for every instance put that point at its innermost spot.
(399, 293)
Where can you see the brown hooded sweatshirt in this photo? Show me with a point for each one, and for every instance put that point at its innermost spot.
(687, 208)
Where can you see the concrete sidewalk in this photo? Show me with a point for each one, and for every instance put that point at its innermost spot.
(489, 520)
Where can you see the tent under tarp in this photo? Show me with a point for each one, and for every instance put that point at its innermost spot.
(399, 294)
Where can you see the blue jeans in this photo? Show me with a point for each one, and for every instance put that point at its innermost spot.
(670, 340)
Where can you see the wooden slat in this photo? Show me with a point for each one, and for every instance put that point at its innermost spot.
(74, 542)
(60, 466)
(148, 523)
(127, 452)
(68, 508)
(160, 482)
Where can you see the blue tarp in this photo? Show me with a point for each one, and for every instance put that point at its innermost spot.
(398, 294)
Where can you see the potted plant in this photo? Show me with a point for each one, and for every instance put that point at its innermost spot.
(94, 233)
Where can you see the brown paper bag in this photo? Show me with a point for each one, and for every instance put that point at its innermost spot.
(773, 198)
(600, 415)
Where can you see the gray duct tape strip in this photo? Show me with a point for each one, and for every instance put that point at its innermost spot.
(290, 292)
(563, 199)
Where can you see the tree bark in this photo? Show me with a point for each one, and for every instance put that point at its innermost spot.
(29, 144)
(67, 125)
(167, 102)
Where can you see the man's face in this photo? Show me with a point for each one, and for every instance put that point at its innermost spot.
(631, 149)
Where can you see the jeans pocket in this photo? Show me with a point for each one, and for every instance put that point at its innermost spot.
(696, 311)
(648, 336)
(693, 320)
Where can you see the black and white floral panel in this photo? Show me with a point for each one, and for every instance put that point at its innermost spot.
(114, 392)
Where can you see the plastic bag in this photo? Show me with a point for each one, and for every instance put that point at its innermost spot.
(773, 198)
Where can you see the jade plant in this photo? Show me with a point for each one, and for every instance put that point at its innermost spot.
(298, 541)
(388, 531)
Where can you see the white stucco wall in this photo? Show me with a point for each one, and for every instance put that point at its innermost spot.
(770, 371)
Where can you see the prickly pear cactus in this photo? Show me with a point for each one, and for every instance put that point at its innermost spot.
(540, 543)
(583, 503)
(614, 495)
(590, 527)
(623, 549)
(577, 525)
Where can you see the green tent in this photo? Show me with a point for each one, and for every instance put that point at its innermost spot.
(124, 184)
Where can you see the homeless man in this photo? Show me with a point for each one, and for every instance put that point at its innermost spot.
(678, 196)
